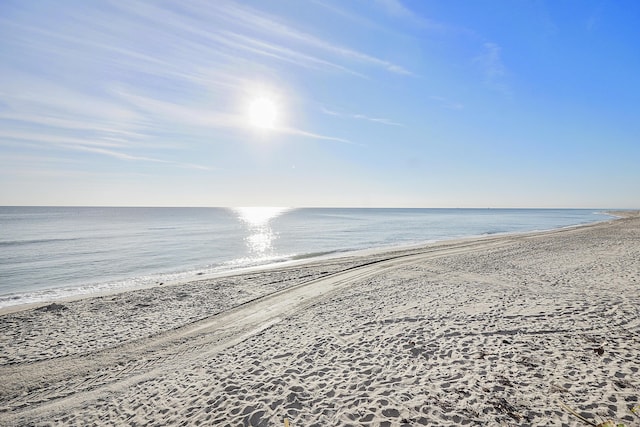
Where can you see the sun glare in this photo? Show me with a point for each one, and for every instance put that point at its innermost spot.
(263, 113)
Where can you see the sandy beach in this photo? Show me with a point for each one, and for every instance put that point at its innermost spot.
(500, 330)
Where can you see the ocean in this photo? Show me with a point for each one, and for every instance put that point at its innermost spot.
(48, 253)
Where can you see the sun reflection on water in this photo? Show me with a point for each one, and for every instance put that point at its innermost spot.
(257, 220)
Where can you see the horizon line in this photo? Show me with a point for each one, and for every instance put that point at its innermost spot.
(317, 207)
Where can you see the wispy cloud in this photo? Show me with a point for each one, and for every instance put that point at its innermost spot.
(377, 120)
(490, 60)
(130, 157)
(447, 103)
(220, 37)
(271, 25)
(96, 146)
(299, 132)
(45, 116)
(194, 116)
(189, 71)
(380, 120)
(398, 10)
(44, 137)
(491, 65)
(354, 17)
(282, 53)
(28, 93)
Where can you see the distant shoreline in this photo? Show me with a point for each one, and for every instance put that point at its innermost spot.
(284, 263)
(624, 214)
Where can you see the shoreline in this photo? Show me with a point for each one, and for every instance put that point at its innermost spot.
(284, 264)
(496, 330)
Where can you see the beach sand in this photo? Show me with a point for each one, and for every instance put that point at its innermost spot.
(491, 331)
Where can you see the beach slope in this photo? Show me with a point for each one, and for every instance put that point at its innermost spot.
(500, 330)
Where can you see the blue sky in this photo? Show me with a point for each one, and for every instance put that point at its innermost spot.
(377, 103)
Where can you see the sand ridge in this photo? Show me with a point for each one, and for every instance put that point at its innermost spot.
(482, 331)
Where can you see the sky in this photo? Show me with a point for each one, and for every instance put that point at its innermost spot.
(358, 103)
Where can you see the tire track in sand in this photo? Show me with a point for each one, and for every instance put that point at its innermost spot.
(68, 381)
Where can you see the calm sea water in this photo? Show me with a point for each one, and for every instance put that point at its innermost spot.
(53, 252)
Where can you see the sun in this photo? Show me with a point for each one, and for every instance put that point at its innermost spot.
(263, 113)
